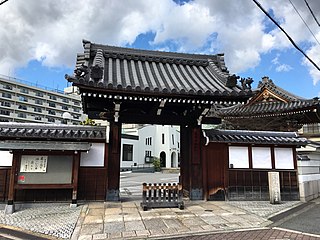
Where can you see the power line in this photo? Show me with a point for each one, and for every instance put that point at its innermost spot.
(3, 1)
(314, 17)
(304, 22)
(287, 35)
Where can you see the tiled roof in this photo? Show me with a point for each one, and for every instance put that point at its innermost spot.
(134, 70)
(269, 84)
(48, 131)
(267, 108)
(254, 137)
(44, 145)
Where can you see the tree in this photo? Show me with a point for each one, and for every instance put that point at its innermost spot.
(88, 122)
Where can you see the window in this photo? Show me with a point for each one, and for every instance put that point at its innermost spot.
(127, 153)
(65, 100)
(22, 115)
(162, 138)
(76, 109)
(172, 139)
(6, 104)
(50, 119)
(37, 109)
(311, 128)
(38, 101)
(51, 112)
(51, 104)
(238, 157)
(76, 116)
(64, 107)
(23, 99)
(9, 87)
(6, 95)
(37, 118)
(39, 94)
(76, 103)
(23, 107)
(149, 141)
(52, 97)
(148, 153)
(5, 112)
(24, 90)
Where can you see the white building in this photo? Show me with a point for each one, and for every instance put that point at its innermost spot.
(152, 141)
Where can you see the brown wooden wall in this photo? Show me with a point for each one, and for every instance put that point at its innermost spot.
(252, 184)
(92, 183)
(215, 159)
(91, 186)
(221, 182)
(4, 183)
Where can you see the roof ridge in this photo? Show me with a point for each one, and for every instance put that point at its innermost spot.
(157, 55)
(266, 82)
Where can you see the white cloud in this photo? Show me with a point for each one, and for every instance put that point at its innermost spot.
(283, 68)
(313, 53)
(51, 31)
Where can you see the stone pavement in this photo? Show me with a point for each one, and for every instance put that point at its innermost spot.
(127, 220)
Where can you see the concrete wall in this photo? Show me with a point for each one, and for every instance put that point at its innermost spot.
(309, 174)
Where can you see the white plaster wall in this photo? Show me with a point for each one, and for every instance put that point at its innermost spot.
(94, 157)
(5, 159)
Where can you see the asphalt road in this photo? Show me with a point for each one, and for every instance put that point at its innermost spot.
(131, 183)
(307, 220)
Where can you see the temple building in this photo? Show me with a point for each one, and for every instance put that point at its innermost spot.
(272, 108)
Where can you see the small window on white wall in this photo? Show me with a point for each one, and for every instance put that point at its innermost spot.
(283, 158)
(238, 157)
(261, 157)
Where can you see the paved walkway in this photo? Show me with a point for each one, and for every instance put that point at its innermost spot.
(126, 220)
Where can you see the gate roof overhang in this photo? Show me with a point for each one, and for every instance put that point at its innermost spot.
(138, 86)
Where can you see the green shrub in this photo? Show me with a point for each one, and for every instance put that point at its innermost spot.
(156, 164)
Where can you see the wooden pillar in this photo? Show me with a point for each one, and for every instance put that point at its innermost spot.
(196, 168)
(75, 174)
(191, 162)
(114, 162)
(10, 208)
(185, 159)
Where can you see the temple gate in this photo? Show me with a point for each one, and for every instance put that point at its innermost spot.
(123, 85)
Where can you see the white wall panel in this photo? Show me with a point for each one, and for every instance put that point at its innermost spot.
(95, 156)
(5, 159)
(261, 157)
(238, 157)
(283, 158)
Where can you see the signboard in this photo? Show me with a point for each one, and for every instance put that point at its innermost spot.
(33, 163)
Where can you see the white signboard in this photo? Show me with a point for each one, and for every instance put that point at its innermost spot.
(33, 163)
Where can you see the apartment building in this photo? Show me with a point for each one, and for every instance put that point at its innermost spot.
(22, 102)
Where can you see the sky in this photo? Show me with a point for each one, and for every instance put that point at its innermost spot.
(39, 39)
